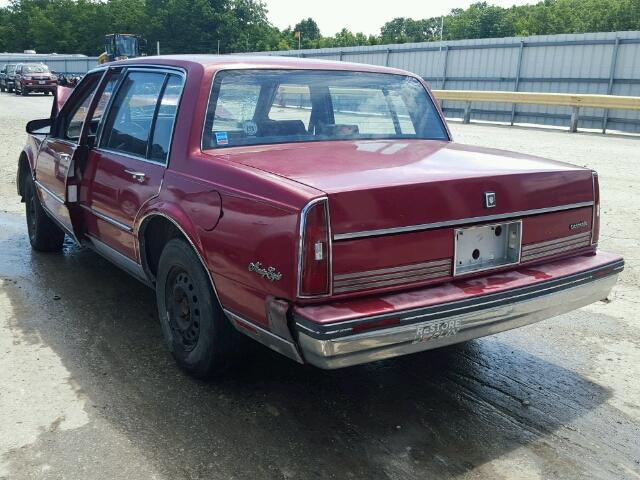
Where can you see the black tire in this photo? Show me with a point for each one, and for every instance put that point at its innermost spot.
(10, 89)
(24, 92)
(1, 89)
(44, 234)
(196, 331)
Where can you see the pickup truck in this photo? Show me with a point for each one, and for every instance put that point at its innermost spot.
(320, 208)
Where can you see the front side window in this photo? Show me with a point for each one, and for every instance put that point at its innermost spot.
(252, 107)
(75, 110)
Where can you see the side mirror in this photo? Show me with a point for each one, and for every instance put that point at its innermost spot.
(39, 127)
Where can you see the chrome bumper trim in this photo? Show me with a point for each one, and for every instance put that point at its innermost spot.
(274, 342)
(486, 315)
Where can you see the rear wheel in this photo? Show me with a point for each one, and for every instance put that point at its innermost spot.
(195, 328)
(2, 88)
(44, 234)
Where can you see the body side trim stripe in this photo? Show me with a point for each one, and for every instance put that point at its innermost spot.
(108, 219)
(55, 196)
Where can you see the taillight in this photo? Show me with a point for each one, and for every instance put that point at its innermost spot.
(314, 262)
(595, 225)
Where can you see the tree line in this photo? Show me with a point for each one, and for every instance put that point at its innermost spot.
(200, 26)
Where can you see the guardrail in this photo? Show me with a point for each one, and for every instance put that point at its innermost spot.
(576, 101)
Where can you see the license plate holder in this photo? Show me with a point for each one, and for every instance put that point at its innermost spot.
(41, 82)
(484, 247)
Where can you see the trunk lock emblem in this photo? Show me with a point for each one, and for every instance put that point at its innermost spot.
(489, 199)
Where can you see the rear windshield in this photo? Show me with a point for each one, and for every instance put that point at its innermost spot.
(253, 107)
(35, 69)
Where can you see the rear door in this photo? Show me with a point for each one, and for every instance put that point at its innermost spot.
(126, 169)
(54, 170)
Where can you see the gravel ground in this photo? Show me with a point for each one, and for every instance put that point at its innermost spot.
(87, 390)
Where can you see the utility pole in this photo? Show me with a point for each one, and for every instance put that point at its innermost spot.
(218, 47)
(441, 26)
(298, 35)
(158, 47)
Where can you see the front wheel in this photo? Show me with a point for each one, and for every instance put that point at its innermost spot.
(44, 234)
(194, 326)
(23, 92)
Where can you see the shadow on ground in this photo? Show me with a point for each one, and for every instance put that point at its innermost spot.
(433, 415)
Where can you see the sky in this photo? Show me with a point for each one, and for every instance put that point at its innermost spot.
(365, 16)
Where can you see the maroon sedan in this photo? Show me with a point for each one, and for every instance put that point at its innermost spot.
(320, 208)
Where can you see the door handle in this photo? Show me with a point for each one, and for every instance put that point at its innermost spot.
(64, 157)
(138, 176)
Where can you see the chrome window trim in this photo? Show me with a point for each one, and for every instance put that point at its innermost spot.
(167, 70)
(108, 219)
(303, 221)
(452, 223)
(129, 155)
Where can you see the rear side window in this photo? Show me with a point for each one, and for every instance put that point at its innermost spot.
(165, 119)
(141, 118)
(130, 120)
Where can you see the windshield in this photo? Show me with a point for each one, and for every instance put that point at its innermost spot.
(35, 69)
(11, 68)
(252, 107)
(126, 46)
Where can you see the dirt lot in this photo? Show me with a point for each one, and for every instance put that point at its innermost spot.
(87, 390)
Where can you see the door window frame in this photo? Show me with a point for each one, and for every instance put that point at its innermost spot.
(58, 132)
(167, 70)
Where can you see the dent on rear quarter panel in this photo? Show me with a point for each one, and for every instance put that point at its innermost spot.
(252, 231)
(257, 221)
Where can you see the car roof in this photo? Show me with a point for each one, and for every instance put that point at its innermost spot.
(220, 62)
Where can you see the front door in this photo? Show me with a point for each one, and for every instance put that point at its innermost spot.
(54, 170)
(125, 169)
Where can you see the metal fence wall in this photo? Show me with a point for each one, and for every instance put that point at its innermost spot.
(57, 63)
(603, 63)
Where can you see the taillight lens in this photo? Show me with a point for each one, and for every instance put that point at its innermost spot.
(315, 251)
(595, 228)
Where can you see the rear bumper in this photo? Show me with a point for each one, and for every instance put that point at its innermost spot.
(550, 290)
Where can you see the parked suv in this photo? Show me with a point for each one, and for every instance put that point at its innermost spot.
(34, 77)
(7, 76)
